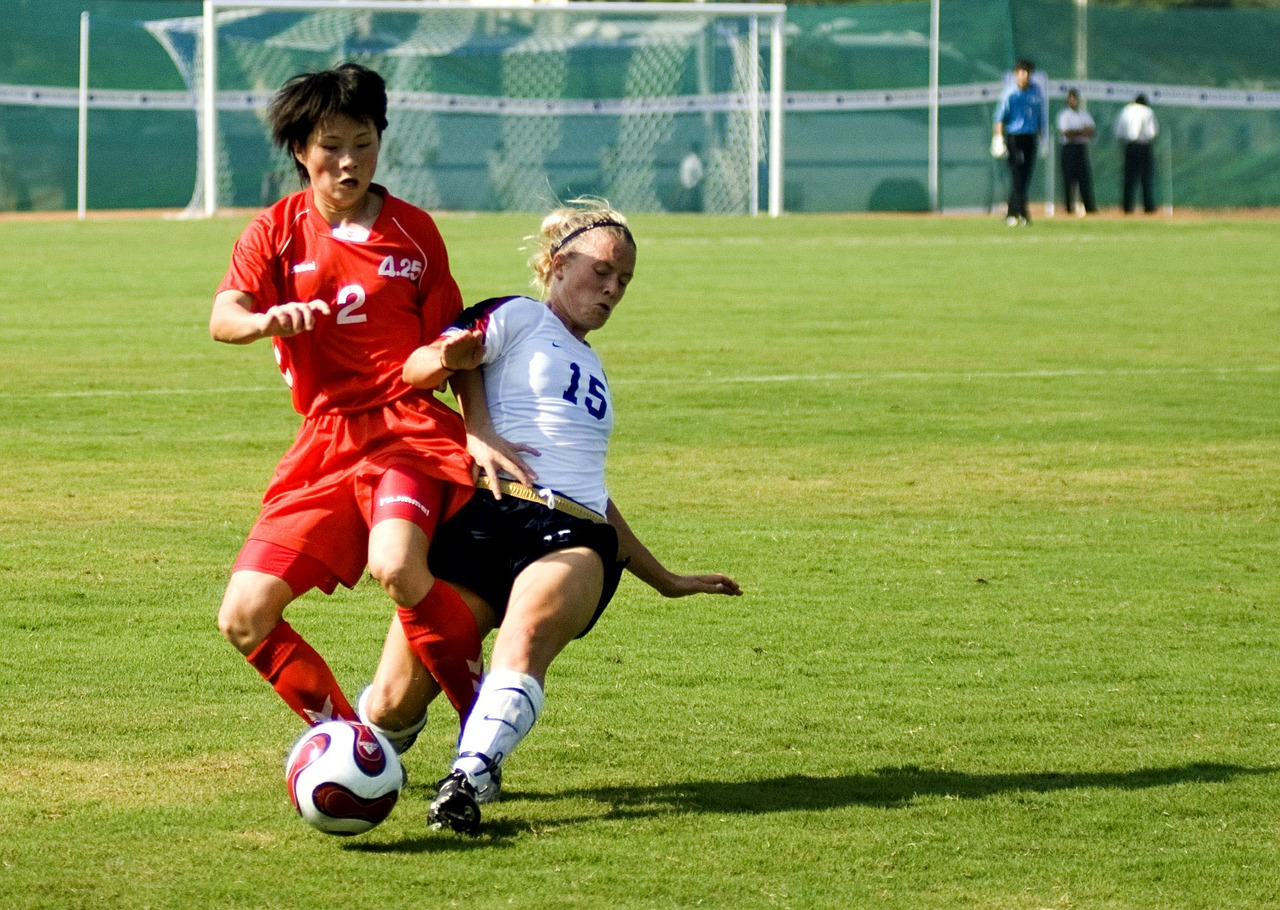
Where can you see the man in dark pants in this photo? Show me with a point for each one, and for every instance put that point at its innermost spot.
(1076, 128)
(1136, 128)
(1019, 122)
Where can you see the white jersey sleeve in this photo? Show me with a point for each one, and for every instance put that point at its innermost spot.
(547, 389)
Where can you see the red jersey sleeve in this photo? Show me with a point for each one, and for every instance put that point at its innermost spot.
(256, 259)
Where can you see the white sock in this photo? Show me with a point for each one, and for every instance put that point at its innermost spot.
(505, 711)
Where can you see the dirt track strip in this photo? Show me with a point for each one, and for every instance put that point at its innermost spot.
(1188, 214)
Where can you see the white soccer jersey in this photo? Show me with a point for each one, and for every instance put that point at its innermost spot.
(546, 389)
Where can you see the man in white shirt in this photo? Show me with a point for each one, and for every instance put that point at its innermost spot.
(1137, 128)
(1075, 129)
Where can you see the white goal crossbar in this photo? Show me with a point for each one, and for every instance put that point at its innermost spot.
(773, 13)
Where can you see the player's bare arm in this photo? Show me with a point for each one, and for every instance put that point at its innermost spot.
(233, 320)
(647, 567)
(430, 365)
(494, 455)
(455, 357)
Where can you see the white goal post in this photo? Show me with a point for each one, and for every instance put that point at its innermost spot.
(561, 88)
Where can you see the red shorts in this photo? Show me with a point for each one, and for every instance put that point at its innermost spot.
(346, 472)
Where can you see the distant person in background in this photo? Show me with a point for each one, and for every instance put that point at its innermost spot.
(1075, 129)
(1136, 128)
(692, 173)
(1019, 124)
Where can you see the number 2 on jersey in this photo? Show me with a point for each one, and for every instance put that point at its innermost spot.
(350, 299)
(594, 401)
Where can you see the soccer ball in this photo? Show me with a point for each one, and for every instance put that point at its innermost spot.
(343, 777)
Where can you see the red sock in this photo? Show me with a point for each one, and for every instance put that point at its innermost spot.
(300, 676)
(443, 634)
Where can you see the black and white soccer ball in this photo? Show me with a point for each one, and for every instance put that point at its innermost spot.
(343, 777)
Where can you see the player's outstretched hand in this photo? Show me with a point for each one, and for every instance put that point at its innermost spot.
(462, 350)
(288, 319)
(684, 585)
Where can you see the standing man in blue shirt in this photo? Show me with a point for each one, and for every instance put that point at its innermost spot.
(1019, 125)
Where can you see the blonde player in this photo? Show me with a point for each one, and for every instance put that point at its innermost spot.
(542, 562)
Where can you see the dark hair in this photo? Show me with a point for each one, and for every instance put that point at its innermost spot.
(1141, 99)
(1025, 64)
(309, 99)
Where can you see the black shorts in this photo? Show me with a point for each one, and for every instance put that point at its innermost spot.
(489, 542)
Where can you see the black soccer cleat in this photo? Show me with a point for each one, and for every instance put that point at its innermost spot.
(455, 805)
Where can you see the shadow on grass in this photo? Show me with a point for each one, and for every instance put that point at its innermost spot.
(886, 788)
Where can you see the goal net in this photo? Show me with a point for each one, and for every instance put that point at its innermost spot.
(505, 106)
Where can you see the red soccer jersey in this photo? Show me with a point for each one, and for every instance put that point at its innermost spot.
(388, 294)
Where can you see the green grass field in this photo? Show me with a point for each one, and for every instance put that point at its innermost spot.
(1005, 504)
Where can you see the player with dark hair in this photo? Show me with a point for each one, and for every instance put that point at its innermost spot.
(349, 90)
(347, 281)
(1019, 123)
(542, 562)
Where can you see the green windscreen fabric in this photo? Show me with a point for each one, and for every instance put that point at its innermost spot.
(857, 130)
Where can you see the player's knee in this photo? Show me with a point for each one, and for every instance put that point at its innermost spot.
(239, 625)
(535, 642)
(386, 571)
(249, 612)
(406, 582)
